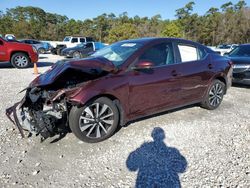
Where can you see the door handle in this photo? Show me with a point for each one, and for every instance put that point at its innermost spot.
(174, 73)
(210, 66)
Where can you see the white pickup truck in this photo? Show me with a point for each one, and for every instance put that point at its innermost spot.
(224, 48)
(72, 41)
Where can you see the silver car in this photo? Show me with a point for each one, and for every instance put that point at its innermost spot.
(40, 46)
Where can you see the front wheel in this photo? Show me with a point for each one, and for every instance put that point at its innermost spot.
(20, 60)
(94, 122)
(41, 51)
(214, 95)
(76, 55)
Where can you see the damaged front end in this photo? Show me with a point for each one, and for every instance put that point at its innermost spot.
(39, 114)
(46, 105)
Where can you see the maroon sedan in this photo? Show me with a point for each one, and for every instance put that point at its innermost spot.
(122, 82)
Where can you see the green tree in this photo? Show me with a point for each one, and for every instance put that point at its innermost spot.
(172, 29)
(122, 32)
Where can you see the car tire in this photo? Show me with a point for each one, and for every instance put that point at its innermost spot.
(214, 95)
(41, 51)
(20, 60)
(77, 55)
(94, 122)
(58, 51)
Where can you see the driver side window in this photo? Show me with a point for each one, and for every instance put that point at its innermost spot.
(159, 55)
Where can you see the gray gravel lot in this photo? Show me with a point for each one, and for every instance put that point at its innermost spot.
(201, 149)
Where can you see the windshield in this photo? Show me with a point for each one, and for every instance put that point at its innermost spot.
(240, 51)
(66, 39)
(119, 52)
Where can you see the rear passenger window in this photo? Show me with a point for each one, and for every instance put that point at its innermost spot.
(82, 39)
(74, 40)
(89, 39)
(188, 53)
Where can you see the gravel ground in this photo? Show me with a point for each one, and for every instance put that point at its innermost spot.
(201, 148)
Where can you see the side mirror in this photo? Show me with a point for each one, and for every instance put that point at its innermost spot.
(226, 54)
(143, 64)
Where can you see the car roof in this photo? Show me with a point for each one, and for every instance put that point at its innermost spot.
(78, 36)
(179, 40)
(151, 39)
(245, 45)
(29, 39)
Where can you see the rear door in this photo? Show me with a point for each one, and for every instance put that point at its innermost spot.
(196, 71)
(82, 40)
(74, 40)
(156, 88)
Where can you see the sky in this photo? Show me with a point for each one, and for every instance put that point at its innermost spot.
(83, 9)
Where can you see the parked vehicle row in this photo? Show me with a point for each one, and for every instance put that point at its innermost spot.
(120, 83)
(239, 54)
(72, 41)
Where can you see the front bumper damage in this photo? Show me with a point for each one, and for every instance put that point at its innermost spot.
(12, 112)
(41, 113)
(44, 110)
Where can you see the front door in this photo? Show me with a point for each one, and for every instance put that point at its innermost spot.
(3, 51)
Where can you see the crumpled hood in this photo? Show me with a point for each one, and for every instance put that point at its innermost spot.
(240, 60)
(87, 65)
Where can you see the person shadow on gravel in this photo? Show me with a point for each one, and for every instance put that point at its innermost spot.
(157, 164)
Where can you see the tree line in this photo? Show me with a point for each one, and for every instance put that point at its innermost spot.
(228, 24)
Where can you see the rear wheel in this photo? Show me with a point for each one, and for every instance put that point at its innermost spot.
(214, 95)
(20, 60)
(95, 121)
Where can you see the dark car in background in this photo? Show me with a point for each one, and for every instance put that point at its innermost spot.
(82, 50)
(69, 42)
(57, 50)
(120, 83)
(42, 47)
(240, 56)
